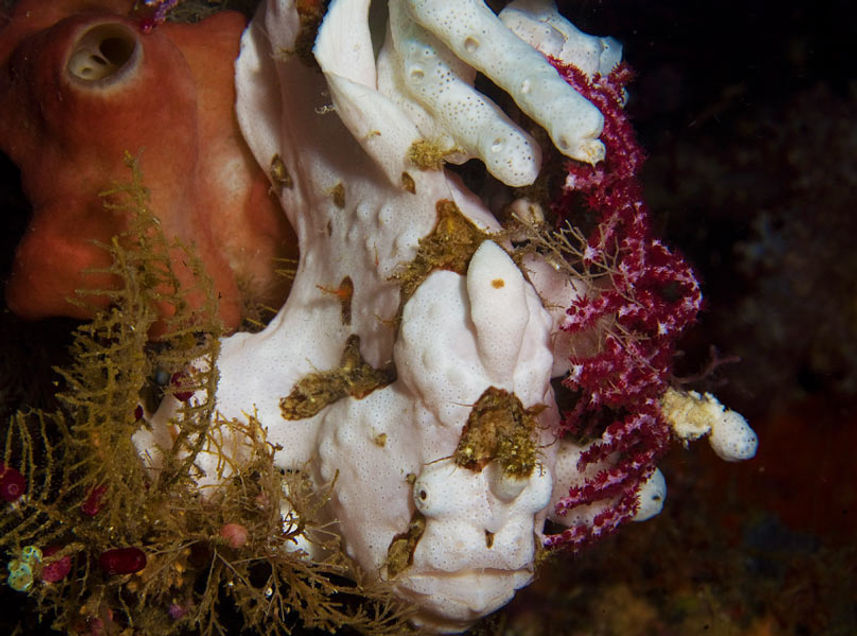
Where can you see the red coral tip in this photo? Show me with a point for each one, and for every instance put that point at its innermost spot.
(180, 380)
(122, 561)
(56, 571)
(12, 483)
(235, 535)
(93, 503)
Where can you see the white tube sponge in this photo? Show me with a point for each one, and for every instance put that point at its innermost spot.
(478, 37)
(538, 23)
(429, 62)
(453, 114)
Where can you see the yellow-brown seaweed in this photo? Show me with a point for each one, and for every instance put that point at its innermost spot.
(88, 490)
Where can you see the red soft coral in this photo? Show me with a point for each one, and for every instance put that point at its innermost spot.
(649, 297)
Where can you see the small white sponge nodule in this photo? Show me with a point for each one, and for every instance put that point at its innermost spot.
(652, 495)
(732, 438)
(692, 416)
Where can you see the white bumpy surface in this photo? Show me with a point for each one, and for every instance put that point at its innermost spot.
(347, 130)
(433, 52)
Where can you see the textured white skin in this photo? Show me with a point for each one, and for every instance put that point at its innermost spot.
(455, 577)
(458, 335)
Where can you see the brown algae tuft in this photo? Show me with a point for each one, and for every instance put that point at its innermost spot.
(97, 539)
(354, 377)
(499, 428)
(449, 246)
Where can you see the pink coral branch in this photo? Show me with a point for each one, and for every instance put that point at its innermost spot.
(159, 15)
(651, 297)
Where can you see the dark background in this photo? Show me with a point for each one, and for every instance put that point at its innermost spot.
(748, 113)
